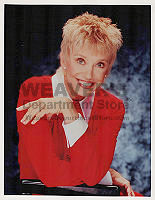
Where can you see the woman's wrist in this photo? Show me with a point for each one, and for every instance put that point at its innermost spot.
(124, 184)
(70, 115)
(114, 174)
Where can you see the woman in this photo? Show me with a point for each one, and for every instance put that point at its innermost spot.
(67, 123)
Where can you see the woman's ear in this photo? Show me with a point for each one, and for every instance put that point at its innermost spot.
(61, 56)
(63, 61)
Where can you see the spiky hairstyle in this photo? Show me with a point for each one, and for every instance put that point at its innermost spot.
(98, 31)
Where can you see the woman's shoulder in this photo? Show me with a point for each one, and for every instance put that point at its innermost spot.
(111, 103)
(108, 96)
(38, 79)
(36, 87)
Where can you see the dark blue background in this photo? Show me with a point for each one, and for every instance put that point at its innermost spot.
(32, 41)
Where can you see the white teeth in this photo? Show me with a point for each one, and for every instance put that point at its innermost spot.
(85, 83)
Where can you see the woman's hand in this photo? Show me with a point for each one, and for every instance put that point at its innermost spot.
(49, 106)
(124, 184)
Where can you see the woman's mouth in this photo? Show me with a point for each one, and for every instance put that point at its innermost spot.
(85, 84)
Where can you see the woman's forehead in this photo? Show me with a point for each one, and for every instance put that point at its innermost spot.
(91, 49)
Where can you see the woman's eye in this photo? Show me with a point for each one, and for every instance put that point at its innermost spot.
(81, 61)
(100, 65)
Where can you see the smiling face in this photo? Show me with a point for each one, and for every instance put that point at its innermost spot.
(86, 68)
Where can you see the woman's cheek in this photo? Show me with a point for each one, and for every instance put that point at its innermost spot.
(73, 68)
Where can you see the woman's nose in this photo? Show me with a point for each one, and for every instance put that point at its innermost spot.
(89, 73)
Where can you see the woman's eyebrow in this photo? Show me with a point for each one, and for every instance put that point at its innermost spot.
(99, 60)
(103, 60)
(79, 55)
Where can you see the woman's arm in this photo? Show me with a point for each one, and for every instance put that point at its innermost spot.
(93, 153)
(119, 180)
(36, 144)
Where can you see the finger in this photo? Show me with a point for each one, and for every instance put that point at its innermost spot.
(26, 106)
(130, 192)
(39, 116)
(32, 114)
(27, 117)
(23, 107)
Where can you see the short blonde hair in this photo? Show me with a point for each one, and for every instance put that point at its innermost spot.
(99, 31)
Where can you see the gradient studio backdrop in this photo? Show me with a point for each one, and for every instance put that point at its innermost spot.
(32, 41)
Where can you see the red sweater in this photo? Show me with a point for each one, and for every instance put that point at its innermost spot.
(88, 160)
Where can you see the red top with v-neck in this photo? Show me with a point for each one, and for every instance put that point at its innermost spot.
(43, 156)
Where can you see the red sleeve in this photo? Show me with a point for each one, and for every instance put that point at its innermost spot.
(37, 143)
(95, 158)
